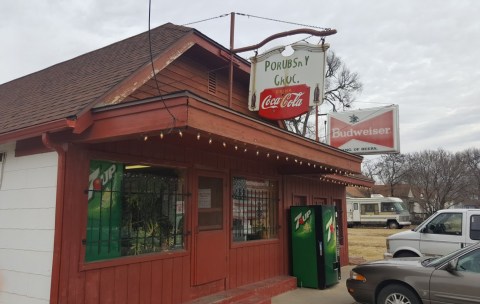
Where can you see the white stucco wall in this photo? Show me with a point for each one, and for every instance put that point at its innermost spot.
(27, 221)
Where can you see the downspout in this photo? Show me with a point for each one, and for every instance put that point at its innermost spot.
(59, 203)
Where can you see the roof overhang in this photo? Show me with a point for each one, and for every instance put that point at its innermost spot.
(38, 130)
(196, 117)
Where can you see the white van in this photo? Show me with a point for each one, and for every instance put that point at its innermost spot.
(377, 210)
(443, 232)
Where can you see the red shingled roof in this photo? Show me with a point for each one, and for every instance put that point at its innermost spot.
(66, 89)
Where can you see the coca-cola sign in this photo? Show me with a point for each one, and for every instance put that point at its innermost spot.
(285, 102)
(369, 131)
(283, 87)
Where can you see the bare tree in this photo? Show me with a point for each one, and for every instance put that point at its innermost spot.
(471, 161)
(341, 86)
(391, 170)
(370, 169)
(437, 176)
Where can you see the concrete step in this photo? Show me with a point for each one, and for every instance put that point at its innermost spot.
(256, 293)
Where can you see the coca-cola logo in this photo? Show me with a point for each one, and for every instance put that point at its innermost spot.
(285, 102)
(289, 100)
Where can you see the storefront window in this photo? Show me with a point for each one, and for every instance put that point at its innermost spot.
(255, 204)
(133, 210)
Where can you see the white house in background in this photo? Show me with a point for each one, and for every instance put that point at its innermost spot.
(27, 221)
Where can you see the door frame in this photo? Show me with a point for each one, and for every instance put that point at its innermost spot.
(195, 228)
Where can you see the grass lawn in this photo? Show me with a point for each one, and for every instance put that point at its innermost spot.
(369, 243)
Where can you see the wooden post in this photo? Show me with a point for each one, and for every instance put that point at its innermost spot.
(230, 76)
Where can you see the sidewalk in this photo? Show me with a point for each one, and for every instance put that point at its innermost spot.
(337, 294)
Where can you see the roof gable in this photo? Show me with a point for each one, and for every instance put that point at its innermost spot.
(66, 89)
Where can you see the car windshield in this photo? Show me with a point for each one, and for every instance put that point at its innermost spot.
(419, 227)
(400, 206)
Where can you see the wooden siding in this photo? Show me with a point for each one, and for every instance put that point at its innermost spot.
(166, 277)
(187, 73)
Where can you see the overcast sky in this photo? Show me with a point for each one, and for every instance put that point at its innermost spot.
(420, 55)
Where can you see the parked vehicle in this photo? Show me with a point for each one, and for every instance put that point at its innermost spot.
(443, 232)
(377, 210)
(449, 279)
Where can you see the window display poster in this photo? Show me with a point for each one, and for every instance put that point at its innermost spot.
(204, 198)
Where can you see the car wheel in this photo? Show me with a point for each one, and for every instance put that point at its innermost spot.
(405, 254)
(397, 294)
(392, 225)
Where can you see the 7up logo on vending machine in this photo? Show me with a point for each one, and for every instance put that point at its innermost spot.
(330, 228)
(301, 219)
(330, 232)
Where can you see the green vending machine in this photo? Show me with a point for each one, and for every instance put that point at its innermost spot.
(314, 249)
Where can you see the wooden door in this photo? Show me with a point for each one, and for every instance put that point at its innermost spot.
(211, 231)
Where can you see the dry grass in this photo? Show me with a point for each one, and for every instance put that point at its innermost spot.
(369, 243)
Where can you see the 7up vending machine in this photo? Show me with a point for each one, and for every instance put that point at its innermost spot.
(315, 260)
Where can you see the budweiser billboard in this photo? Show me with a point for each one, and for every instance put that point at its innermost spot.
(368, 131)
(283, 87)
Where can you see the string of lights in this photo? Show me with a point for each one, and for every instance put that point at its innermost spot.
(327, 173)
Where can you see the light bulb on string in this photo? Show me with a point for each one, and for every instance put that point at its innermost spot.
(161, 135)
(198, 136)
(145, 138)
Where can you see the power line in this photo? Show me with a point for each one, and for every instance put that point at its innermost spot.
(282, 21)
(208, 19)
(153, 66)
(259, 17)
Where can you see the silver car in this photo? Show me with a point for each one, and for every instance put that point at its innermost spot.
(453, 278)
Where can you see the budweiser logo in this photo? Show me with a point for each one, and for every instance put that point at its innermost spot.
(377, 130)
(284, 102)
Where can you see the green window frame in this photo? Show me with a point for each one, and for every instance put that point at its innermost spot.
(133, 210)
(254, 209)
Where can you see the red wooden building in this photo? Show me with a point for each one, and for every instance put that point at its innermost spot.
(166, 189)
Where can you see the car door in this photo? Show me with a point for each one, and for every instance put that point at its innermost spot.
(443, 234)
(460, 285)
